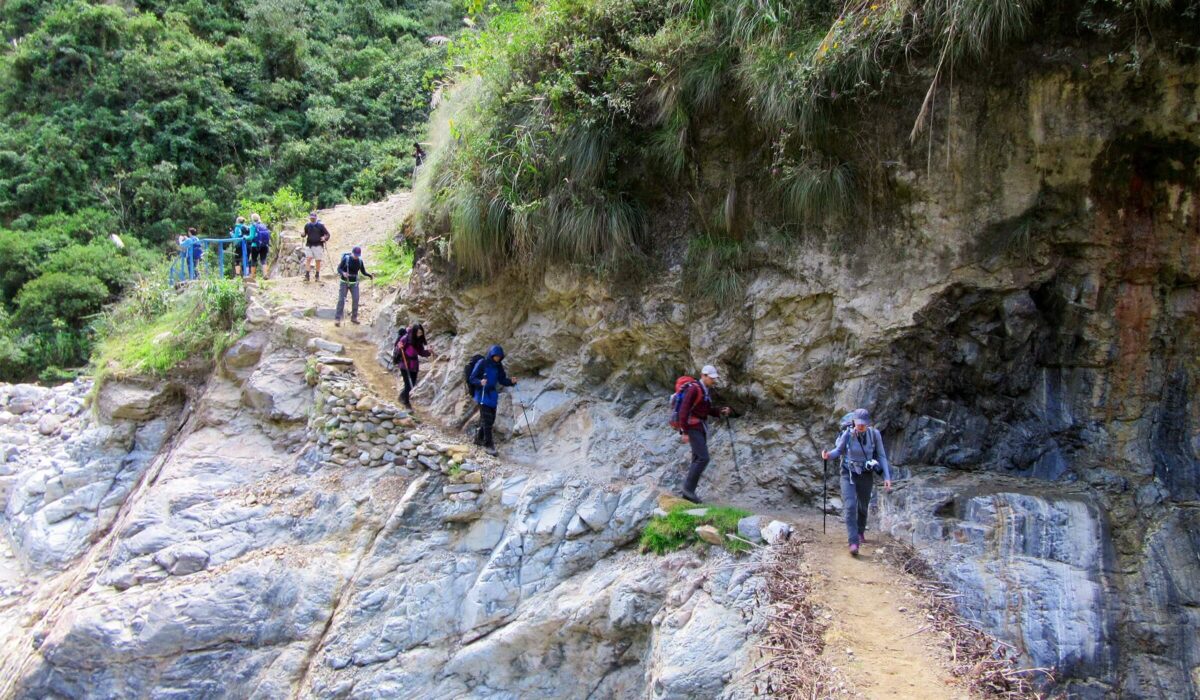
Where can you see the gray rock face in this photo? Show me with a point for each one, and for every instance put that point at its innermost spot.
(248, 567)
(1032, 567)
(61, 493)
(278, 388)
(1026, 314)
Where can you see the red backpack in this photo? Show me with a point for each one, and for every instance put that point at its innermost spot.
(681, 386)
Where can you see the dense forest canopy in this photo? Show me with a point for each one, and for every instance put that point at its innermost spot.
(144, 117)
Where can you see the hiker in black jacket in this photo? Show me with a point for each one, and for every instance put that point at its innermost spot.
(348, 271)
(315, 237)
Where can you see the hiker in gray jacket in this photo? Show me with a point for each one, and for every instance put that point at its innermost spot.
(861, 446)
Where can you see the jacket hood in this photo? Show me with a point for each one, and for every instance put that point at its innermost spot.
(495, 350)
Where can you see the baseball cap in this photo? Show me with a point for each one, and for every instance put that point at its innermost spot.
(312, 214)
(861, 416)
(357, 250)
(710, 371)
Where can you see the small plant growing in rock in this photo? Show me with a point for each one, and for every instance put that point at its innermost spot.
(677, 529)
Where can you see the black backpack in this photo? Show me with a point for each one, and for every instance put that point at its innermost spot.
(467, 370)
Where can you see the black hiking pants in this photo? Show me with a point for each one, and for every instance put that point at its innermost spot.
(410, 381)
(698, 440)
(856, 499)
(487, 418)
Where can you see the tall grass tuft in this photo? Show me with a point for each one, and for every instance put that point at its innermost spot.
(816, 194)
(712, 268)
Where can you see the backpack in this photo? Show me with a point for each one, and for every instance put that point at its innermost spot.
(262, 235)
(468, 369)
(681, 386)
(398, 348)
(240, 231)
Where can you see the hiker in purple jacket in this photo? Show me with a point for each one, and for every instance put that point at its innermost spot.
(406, 356)
(861, 446)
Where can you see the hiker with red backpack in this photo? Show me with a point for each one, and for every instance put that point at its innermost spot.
(691, 406)
(861, 447)
(406, 356)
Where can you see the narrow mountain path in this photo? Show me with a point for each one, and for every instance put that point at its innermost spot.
(876, 633)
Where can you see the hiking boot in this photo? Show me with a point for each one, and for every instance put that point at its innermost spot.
(492, 451)
(354, 321)
(689, 496)
(854, 550)
(306, 274)
(318, 275)
(338, 323)
(862, 538)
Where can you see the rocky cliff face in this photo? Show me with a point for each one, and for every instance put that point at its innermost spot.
(1025, 328)
(277, 530)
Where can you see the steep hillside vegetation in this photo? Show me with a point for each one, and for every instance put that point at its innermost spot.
(590, 131)
(144, 118)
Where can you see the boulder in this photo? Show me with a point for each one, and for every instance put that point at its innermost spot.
(750, 528)
(182, 559)
(246, 352)
(315, 344)
(460, 488)
(278, 389)
(49, 424)
(709, 534)
(122, 400)
(777, 532)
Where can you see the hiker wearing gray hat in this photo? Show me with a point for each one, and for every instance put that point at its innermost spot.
(861, 447)
(693, 405)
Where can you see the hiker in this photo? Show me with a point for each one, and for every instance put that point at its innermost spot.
(242, 236)
(861, 448)
(315, 237)
(193, 250)
(418, 158)
(348, 271)
(260, 245)
(406, 356)
(691, 419)
(487, 378)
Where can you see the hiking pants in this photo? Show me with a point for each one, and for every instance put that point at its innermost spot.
(341, 307)
(487, 418)
(410, 381)
(856, 499)
(698, 440)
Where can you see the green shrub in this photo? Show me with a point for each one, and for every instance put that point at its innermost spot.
(23, 253)
(677, 529)
(59, 296)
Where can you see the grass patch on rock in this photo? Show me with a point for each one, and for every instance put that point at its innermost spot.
(392, 262)
(677, 529)
(155, 328)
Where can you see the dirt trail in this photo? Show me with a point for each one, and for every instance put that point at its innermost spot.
(876, 615)
(874, 611)
(366, 225)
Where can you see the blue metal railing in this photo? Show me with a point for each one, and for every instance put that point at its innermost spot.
(185, 267)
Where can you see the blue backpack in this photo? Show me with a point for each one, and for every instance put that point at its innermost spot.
(262, 235)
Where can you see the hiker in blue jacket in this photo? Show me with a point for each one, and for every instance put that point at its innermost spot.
(487, 378)
(861, 445)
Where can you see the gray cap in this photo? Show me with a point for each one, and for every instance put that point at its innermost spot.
(861, 416)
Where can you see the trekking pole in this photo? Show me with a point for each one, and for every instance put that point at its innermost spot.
(528, 425)
(732, 445)
(824, 492)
